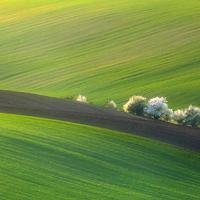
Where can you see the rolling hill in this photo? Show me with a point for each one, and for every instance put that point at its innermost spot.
(102, 49)
(69, 110)
(49, 159)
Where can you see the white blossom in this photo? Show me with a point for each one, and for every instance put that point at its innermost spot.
(192, 116)
(81, 98)
(179, 116)
(158, 108)
(111, 104)
(135, 105)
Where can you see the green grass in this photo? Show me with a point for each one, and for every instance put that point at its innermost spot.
(47, 159)
(102, 49)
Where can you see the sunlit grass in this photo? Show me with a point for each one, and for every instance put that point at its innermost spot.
(48, 159)
(102, 49)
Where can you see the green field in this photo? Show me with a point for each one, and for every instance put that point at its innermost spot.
(48, 159)
(102, 49)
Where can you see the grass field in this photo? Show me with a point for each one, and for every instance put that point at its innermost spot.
(47, 159)
(102, 49)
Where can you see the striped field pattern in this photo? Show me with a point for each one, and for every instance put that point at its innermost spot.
(48, 159)
(102, 49)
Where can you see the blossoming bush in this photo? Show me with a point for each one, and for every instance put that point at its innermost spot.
(157, 108)
(192, 116)
(135, 105)
(168, 115)
(111, 104)
(179, 116)
(81, 98)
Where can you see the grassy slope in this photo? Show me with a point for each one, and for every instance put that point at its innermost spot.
(46, 159)
(102, 49)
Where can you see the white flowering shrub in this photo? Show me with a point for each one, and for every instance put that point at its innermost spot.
(169, 115)
(157, 108)
(179, 116)
(192, 116)
(111, 104)
(135, 105)
(81, 98)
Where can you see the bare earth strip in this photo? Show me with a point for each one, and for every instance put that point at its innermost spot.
(68, 110)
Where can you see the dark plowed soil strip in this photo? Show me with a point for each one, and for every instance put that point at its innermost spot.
(48, 107)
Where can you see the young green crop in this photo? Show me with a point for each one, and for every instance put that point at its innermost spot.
(47, 159)
(102, 49)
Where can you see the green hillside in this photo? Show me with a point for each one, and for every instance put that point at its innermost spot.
(47, 159)
(102, 49)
